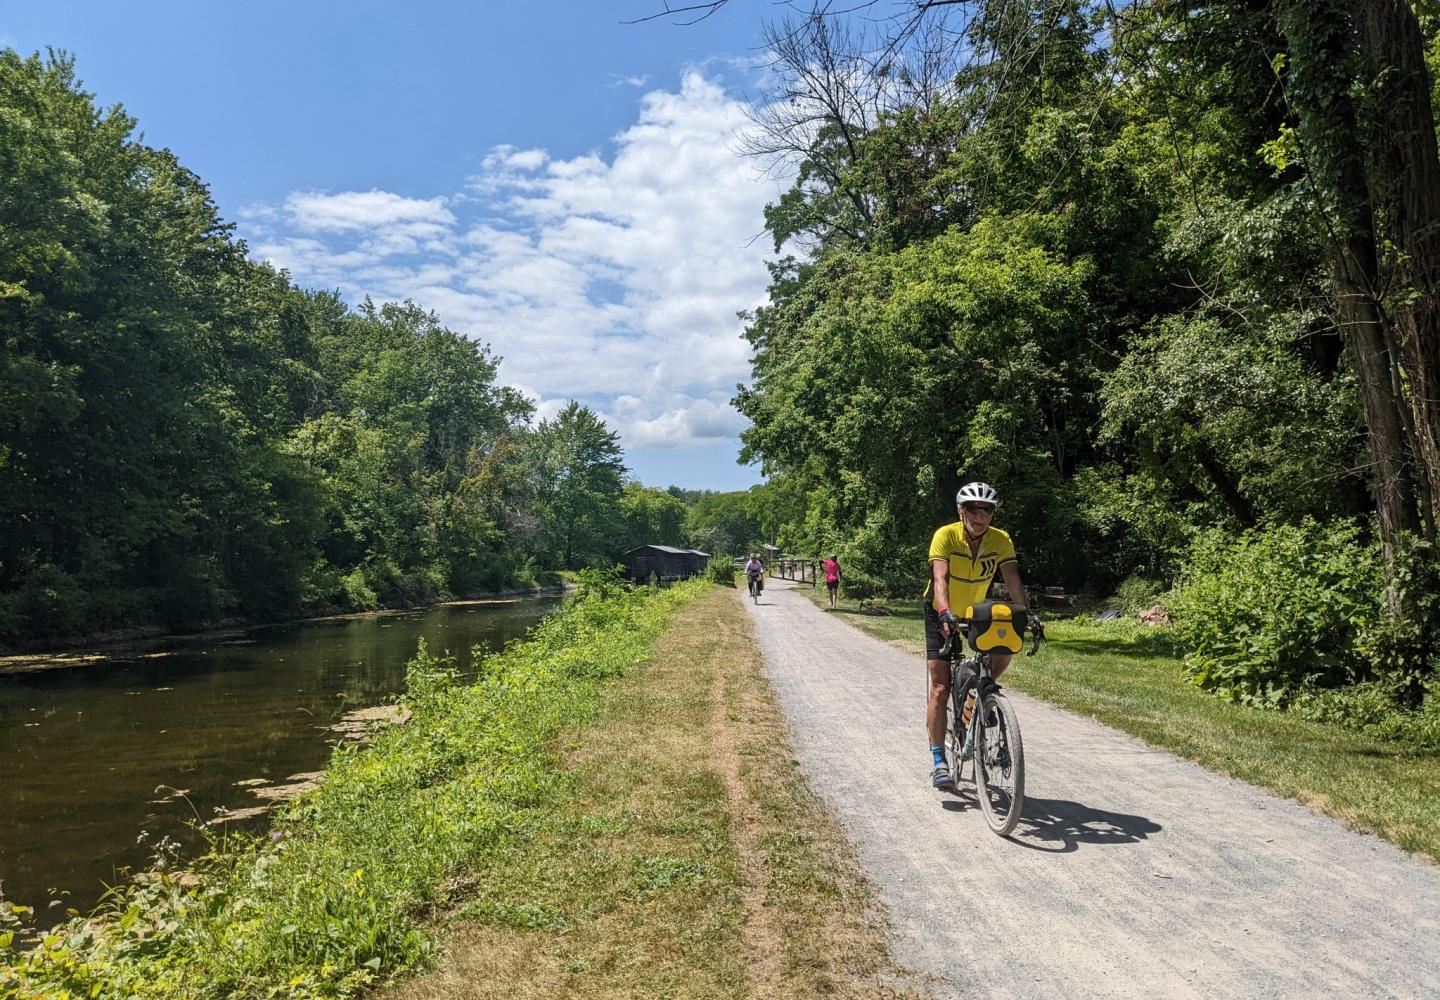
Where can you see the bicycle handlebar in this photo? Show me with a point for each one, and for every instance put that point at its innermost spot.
(1034, 625)
(1037, 628)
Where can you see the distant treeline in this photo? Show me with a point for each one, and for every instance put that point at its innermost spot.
(186, 436)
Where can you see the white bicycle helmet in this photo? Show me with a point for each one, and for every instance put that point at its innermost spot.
(977, 493)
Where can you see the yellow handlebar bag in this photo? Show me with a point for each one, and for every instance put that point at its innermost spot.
(997, 627)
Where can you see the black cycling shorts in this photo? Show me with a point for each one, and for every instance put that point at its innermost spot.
(933, 639)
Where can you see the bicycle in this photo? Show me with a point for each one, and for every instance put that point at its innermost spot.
(754, 587)
(993, 731)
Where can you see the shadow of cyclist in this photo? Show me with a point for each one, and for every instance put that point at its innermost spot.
(1059, 826)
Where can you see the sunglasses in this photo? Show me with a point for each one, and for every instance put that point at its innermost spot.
(975, 508)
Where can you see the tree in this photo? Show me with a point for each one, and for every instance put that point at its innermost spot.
(576, 478)
(185, 435)
(722, 523)
(650, 517)
(1357, 79)
(127, 430)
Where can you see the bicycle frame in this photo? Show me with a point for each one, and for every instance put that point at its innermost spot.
(979, 663)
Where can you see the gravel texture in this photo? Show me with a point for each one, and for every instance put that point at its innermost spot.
(1133, 873)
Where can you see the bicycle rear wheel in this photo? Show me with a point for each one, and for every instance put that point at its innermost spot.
(1000, 765)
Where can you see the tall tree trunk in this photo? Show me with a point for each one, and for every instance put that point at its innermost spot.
(1324, 63)
(1363, 325)
(1403, 173)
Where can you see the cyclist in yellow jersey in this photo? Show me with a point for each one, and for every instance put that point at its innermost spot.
(964, 557)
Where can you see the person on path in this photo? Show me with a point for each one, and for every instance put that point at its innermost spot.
(832, 577)
(755, 571)
(964, 557)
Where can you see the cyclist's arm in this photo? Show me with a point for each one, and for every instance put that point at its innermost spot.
(940, 583)
(1010, 573)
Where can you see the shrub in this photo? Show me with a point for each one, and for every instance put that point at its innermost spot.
(720, 570)
(49, 602)
(1265, 613)
(860, 584)
(1136, 593)
(322, 585)
(600, 583)
(1404, 648)
(358, 593)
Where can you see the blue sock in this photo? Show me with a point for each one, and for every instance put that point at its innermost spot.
(939, 754)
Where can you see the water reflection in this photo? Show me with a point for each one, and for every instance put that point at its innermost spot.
(84, 749)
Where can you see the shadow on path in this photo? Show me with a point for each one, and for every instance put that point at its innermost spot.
(1059, 826)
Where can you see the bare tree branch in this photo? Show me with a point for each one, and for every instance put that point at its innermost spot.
(700, 10)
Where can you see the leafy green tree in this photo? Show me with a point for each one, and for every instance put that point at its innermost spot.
(722, 523)
(413, 455)
(650, 516)
(576, 477)
(1357, 78)
(131, 456)
(946, 361)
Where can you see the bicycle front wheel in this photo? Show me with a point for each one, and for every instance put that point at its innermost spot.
(1000, 765)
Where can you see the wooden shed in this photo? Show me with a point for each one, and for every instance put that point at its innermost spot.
(665, 562)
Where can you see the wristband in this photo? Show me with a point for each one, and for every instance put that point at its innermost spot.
(942, 611)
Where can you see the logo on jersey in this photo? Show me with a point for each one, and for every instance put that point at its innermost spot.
(987, 566)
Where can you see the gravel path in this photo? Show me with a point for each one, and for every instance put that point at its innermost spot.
(1133, 873)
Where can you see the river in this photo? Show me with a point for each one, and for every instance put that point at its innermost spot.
(100, 761)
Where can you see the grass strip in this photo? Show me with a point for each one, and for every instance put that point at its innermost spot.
(338, 896)
(689, 858)
(1127, 677)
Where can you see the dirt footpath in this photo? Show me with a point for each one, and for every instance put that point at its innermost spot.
(1133, 873)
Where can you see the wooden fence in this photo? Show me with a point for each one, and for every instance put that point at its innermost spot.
(800, 570)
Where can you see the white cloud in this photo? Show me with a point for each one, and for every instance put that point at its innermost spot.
(352, 210)
(700, 422)
(617, 80)
(609, 277)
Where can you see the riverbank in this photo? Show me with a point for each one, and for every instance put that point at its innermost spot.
(335, 896)
(149, 643)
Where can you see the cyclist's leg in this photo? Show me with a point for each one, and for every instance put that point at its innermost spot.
(937, 707)
(998, 663)
(937, 698)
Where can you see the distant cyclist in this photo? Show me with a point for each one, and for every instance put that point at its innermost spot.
(755, 571)
(964, 557)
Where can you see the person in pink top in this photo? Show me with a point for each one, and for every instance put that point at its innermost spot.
(832, 577)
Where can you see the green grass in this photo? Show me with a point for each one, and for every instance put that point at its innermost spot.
(1129, 677)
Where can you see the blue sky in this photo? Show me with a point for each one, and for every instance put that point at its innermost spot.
(549, 180)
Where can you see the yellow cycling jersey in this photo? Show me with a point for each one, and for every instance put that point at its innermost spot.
(970, 575)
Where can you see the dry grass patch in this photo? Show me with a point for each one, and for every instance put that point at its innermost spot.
(689, 859)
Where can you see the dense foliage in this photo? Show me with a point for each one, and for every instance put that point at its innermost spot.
(1109, 259)
(334, 898)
